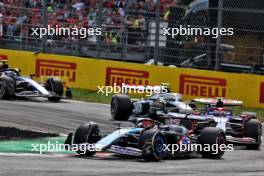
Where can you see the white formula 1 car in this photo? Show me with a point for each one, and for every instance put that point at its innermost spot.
(244, 129)
(13, 85)
(122, 106)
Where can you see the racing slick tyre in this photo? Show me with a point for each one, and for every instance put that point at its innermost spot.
(152, 143)
(121, 107)
(253, 129)
(7, 87)
(87, 133)
(55, 86)
(209, 138)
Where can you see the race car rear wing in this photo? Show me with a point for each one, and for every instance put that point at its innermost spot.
(213, 101)
(188, 116)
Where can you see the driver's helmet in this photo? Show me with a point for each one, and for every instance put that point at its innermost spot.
(158, 105)
(146, 123)
(217, 113)
(227, 113)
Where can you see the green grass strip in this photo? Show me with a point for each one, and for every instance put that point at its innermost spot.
(26, 146)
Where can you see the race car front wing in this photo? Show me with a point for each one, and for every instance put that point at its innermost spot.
(239, 140)
(125, 150)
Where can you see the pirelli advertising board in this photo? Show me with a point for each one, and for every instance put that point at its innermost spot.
(88, 73)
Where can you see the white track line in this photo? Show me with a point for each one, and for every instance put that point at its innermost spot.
(34, 155)
(97, 155)
(84, 102)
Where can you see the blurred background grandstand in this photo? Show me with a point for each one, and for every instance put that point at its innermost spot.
(132, 30)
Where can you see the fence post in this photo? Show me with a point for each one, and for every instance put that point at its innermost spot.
(45, 24)
(99, 25)
(124, 34)
(157, 32)
(219, 38)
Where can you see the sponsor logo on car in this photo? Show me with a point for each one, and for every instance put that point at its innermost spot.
(126, 76)
(202, 86)
(56, 68)
(261, 96)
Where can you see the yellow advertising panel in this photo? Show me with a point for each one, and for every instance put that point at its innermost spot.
(88, 73)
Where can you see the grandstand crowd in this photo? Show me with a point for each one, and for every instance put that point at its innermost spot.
(18, 16)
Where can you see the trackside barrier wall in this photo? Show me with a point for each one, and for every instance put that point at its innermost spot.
(88, 73)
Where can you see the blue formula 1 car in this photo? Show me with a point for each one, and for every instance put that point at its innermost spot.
(12, 85)
(148, 139)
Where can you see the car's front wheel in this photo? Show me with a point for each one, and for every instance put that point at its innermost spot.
(55, 87)
(152, 144)
(87, 134)
(211, 140)
(7, 87)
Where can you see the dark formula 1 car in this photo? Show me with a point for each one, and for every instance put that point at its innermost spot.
(13, 85)
(244, 129)
(122, 106)
(148, 139)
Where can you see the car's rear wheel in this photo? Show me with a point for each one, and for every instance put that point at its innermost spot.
(55, 86)
(7, 87)
(253, 129)
(87, 134)
(251, 115)
(211, 139)
(121, 107)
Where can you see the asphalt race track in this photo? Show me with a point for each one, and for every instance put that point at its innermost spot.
(66, 116)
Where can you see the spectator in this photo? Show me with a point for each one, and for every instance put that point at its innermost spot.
(79, 5)
(82, 13)
(1, 24)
